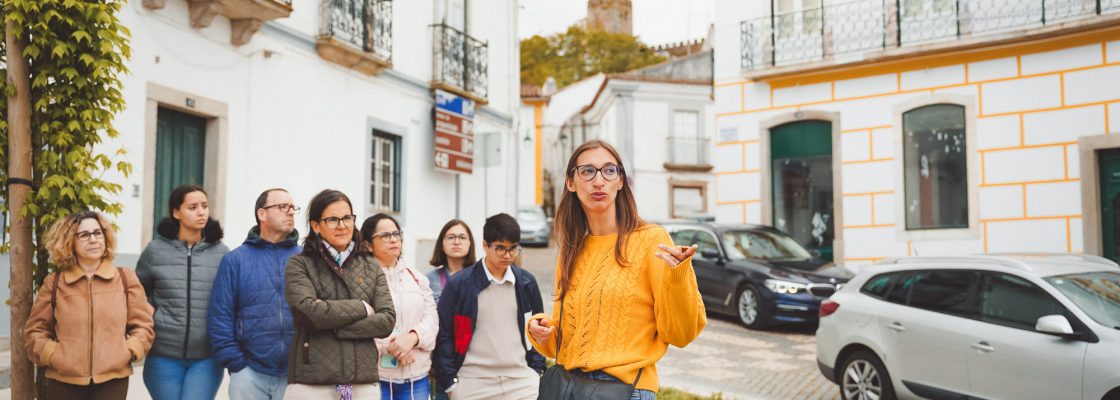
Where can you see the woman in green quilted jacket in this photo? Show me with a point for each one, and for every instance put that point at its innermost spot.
(340, 302)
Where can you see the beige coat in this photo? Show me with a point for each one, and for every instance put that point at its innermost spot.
(98, 330)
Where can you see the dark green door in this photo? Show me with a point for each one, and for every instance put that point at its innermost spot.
(180, 155)
(1109, 163)
(801, 183)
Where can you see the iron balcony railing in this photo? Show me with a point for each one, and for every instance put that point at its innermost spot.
(367, 24)
(460, 61)
(688, 151)
(862, 25)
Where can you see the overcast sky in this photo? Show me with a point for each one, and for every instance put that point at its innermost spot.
(655, 21)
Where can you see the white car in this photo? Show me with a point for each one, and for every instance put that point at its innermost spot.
(1029, 326)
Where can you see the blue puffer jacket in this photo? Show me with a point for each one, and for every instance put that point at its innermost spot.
(249, 321)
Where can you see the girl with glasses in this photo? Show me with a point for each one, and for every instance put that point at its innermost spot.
(177, 269)
(616, 273)
(406, 355)
(453, 252)
(340, 302)
(88, 350)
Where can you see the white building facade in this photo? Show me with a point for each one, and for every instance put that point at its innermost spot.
(242, 96)
(881, 129)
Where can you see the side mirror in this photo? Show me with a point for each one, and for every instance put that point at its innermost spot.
(709, 253)
(1054, 325)
(549, 219)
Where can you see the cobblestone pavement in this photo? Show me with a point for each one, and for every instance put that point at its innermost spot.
(778, 363)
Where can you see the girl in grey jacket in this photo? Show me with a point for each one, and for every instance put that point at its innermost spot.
(177, 269)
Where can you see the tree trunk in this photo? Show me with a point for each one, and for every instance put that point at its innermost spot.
(19, 187)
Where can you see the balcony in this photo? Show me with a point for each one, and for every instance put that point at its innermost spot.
(848, 30)
(688, 154)
(357, 34)
(460, 63)
(245, 16)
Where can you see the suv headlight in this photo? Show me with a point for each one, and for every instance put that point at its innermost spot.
(786, 287)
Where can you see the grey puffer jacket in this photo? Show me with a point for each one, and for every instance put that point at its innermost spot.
(177, 279)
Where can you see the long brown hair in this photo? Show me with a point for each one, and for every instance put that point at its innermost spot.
(439, 257)
(572, 222)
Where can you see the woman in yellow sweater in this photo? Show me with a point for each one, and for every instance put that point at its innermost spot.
(625, 291)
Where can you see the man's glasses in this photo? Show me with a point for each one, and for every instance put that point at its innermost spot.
(502, 251)
(456, 238)
(284, 208)
(90, 235)
(335, 222)
(610, 172)
(387, 237)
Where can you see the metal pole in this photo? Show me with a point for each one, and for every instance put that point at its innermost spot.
(773, 37)
(958, 15)
(1044, 12)
(898, 22)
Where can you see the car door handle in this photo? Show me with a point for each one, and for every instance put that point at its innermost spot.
(896, 326)
(983, 347)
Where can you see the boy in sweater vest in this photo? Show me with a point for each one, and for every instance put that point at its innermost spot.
(481, 350)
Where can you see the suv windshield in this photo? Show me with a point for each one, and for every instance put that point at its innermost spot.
(1096, 293)
(763, 245)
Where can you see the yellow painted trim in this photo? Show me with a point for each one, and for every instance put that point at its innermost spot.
(737, 142)
(538, 123)
(950, 57)
(743, 171)
(873, 160)
(1030, 182)
(1027, 147)
(1037, 218)
(733, 202)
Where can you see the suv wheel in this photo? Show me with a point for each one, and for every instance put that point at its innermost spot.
(749, 308)
(865, 377)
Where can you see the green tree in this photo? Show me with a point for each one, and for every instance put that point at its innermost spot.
(578, 53)
(75, 50)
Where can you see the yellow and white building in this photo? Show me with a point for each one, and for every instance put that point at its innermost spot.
(877, 129)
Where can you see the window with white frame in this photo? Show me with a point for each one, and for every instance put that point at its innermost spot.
(686, 147)
(935, 167)
(688, 199)
(385, 181)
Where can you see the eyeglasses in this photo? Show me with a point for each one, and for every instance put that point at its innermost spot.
(587, 172)
(502, 251)
(335, 222)
(90, 235)
(456, 238)
(284, 208)
(387, 237)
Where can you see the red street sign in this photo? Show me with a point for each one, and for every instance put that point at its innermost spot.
(451, 123)
(452, 162)
(454, 133)
(454, 143)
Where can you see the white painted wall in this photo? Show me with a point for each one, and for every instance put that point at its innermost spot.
(300, 122)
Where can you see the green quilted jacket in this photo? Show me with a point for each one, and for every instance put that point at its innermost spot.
(333, 336)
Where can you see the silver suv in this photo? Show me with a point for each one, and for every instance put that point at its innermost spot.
(1026, 326)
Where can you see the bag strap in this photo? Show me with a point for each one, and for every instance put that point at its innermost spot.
(54, 293)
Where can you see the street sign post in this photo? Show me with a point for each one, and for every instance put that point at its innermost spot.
(454, 133)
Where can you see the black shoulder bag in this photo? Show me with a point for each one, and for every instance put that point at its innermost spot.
(560, 384)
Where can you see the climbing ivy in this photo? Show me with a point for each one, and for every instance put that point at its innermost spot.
(76, 50)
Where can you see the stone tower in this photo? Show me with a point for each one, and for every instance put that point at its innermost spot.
(609, 15)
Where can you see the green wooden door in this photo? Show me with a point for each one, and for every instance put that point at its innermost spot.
(1109, 164)
(180, 155)
(801, 183)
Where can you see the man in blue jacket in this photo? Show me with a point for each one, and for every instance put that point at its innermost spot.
(249, 321)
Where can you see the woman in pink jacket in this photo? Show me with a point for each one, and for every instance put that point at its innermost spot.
(406, 355)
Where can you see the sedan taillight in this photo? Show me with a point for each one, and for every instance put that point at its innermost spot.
(828, 307)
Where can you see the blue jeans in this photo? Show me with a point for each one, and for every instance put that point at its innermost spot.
(416, 390)
(638, 394)
(248, 384)
(176, 379)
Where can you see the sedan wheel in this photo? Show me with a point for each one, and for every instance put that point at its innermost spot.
(751, 311)
(865, 378)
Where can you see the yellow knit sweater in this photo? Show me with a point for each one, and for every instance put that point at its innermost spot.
(622, 318)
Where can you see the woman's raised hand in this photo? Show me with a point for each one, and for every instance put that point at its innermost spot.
(541, 329)
(674, 255)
